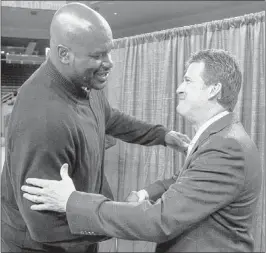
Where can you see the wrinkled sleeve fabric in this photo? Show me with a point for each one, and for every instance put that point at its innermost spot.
(132, 130)
(159, 187)
(38, 148)
(212, 181)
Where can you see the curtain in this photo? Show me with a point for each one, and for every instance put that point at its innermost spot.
(143, 83)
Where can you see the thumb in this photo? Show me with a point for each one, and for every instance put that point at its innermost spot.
(64, 171)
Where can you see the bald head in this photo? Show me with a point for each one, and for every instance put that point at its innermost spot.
(80, 45)
(76, 24)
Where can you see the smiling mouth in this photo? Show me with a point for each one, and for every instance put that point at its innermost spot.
(102, 73)
(102, 76)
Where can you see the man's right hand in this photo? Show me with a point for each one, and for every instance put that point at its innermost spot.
(139, 196)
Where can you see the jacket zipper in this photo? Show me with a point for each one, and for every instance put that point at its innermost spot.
(94, 114)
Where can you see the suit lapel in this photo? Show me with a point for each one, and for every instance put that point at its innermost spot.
(215, 127)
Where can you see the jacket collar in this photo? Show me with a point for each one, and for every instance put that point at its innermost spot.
(73, 90)
(215, 127)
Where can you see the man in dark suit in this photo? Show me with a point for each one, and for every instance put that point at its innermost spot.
(209, 205)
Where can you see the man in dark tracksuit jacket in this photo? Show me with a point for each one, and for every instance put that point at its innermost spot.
(53, 123)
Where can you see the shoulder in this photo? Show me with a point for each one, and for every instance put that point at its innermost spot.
(219, 143)
(41, 120)
(38, 77)
(235, 138)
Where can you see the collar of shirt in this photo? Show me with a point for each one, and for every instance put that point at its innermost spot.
(202, 128)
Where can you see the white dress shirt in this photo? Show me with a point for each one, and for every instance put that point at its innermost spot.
(202, 128)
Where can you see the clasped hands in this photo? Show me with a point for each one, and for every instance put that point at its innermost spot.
(52, 195)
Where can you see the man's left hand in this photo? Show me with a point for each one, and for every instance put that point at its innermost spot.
(177, 141)
(49, 195)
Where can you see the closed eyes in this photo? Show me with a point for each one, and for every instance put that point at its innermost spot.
(98, 56)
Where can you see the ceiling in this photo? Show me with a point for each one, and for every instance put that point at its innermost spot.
(126, 18)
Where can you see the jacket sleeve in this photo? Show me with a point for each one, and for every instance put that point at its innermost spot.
(38, 148)
(212, 181)
(131, 130)
(159, 187)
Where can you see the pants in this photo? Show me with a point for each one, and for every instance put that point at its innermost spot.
(10, 247)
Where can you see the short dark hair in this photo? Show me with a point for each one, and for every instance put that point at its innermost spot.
(220, 67)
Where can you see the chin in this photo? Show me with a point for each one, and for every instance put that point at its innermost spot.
(179, 110)
(98, 86)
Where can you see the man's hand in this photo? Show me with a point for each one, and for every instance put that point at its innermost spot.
(49, 195)
(177, 141)
(137, 196)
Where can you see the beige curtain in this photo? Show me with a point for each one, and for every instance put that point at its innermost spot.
(148, 69)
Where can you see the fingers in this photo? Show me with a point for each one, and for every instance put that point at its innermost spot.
(39, 200)
(183, 137)
(141, 198)
(132, 197)
(64, 171)
(33, 198)
(32, 190)
(38, 182)
(186, 139)
(41, 207)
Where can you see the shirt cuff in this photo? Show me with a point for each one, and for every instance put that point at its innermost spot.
(143, 195)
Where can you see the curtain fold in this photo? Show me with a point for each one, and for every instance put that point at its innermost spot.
(143, 83)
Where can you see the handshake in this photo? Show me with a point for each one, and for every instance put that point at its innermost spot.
(139, 196)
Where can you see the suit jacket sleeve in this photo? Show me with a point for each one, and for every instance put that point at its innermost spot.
(131, 130)
(212, 181)
(159, 187)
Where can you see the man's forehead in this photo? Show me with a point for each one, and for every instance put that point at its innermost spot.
(101, 48)
(194, 69)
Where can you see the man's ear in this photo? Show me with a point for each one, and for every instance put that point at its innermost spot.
(215, 91)
(63, 54)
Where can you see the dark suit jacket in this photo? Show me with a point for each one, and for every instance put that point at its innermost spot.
(208, 206)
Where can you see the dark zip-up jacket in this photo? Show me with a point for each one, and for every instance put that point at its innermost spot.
(54, 122)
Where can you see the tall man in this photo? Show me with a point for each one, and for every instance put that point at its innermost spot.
(61, 115)
(209, 206)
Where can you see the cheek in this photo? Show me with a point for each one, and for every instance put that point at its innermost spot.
(93, 64)
(87, 66)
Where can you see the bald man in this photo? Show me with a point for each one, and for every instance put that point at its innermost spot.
(62, 116)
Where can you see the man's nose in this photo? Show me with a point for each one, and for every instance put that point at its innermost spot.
(107, 62)
(180, 88)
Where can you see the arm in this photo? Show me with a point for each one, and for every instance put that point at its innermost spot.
(201, 190)
(159, 187)
(129, 129)
(39, 145)
(109, 142)
(153, 191)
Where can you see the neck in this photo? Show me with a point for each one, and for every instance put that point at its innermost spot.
(197, 123)
(63, 82)
(60, 68)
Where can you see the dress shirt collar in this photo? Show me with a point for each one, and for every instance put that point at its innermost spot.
(203, 127)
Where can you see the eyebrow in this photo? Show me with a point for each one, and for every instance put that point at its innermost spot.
(187, 78)
(106, 50)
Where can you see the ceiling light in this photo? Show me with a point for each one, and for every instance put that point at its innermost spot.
(115, 13)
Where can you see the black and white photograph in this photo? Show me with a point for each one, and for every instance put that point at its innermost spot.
(132, 126)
